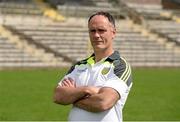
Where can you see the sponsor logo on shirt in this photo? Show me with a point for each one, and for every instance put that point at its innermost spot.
(81, 68)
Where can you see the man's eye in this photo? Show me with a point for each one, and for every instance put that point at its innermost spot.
(101, 30)
(98, 30)
(92, 31)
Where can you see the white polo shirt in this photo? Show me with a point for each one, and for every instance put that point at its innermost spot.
(113, 72)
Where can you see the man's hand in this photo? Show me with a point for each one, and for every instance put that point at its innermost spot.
(91, 90)
(68, 82)
(67, 93)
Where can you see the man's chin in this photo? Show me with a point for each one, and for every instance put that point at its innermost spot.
(98, 48)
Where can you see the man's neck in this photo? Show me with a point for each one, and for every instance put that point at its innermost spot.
(102, 54)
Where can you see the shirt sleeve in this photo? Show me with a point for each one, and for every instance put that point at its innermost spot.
(70, 74)
(119, 77)
(119, 85)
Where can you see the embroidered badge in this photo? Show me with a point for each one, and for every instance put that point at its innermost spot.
(105, 70)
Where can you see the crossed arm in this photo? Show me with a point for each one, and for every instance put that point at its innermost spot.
(89, 98)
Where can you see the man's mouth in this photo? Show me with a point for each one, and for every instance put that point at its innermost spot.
(97, 42)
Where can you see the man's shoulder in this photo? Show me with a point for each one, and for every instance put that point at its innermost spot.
(122, 69)
(83, 61)
(117, 60)
(121, 62)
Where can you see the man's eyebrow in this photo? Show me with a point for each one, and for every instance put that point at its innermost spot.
(99, 29)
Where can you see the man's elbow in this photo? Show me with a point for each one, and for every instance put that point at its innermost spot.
(103, 107)
(107, 104)
(55, 99)
(60, 102)
(100, 107)
(58, 98)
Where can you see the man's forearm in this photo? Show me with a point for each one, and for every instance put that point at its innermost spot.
(68, 95)
(91, 103)
(102, 101)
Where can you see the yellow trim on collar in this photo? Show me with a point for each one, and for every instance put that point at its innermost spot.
(91, 61)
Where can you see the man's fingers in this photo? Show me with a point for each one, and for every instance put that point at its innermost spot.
(72, 81)
(68, 82)
(65, 83)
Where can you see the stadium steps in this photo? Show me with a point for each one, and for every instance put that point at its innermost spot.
(19, 8)
(168, 28)
(31, 7)
(41, 46)
(66, 40)
(171, 40)
(102, 3)
(34, 20)
(152, 33)
(149, 11)
(141, 48)
(13, 57)
(72, 40)
(85, 10)
(49, 11)
(21, 44)
(58, 34)
(171, 15)
(155, 11)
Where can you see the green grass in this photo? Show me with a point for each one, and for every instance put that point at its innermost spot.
(27, 95)
(155, 95)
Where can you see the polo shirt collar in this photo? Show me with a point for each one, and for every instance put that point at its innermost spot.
(112, 57)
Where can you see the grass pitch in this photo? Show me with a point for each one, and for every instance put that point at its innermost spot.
(26, 95)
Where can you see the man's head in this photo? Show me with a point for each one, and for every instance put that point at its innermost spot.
(101, 31)
(105, 14)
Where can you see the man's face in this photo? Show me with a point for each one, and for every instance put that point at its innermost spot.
(101, 33)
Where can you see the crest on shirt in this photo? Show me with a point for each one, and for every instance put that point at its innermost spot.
(105, 70)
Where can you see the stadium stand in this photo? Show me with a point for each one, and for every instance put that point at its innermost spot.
(65, 39)
(171, 4)
(19, 7)
(22, 12)
(166, 27)
(139, 39)
(10, 56)
(163, 22)
(49, 11)
(16, 52)
(84, 8)
(141, 49)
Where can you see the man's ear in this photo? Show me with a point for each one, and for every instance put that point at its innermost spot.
(114, 33)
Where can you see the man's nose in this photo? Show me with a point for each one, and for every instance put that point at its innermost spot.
(96, 34)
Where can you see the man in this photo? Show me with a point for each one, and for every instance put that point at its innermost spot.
(99, 85)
